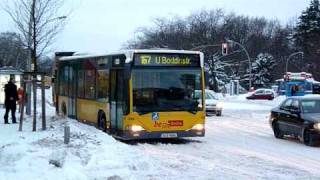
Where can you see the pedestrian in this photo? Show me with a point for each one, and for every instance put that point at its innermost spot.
(20, 96)
(11, 98)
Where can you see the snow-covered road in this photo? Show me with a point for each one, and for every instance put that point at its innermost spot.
(238, 145)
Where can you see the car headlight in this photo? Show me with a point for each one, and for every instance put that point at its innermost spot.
(198, 127)
(135, 128)
(317, 126)
(219, 105)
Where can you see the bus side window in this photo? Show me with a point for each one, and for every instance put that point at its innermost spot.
(90, 84)
(80, 84)
(308, 86)
(103, 85)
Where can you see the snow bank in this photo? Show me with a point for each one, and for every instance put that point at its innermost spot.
(91, 154)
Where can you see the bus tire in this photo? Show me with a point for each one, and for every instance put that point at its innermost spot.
(64, 109)
(102, 121)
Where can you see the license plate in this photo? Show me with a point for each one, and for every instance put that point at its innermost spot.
(169, 135)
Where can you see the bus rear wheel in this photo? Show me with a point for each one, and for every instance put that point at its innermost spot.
(103, 123)
(64, 109)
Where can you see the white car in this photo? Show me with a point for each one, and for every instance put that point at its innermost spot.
(213, 105)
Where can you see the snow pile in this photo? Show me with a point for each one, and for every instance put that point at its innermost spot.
(91, 154)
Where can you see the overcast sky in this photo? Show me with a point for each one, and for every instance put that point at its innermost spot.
(105, 25)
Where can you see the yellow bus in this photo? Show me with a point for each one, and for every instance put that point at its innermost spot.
(134, 94)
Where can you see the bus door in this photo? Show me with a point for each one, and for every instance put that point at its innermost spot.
(116, 98)
(72, 93)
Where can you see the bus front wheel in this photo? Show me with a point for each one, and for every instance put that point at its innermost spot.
(102, 123)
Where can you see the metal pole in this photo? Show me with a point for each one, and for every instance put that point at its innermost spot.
(66, 134)
(291, 55)
(250, 67)
(44, 126)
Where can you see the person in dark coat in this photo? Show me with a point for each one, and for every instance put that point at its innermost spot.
(10, 102)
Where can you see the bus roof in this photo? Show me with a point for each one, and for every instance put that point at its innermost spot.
(129, 53)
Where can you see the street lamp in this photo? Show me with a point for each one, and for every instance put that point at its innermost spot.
(291, 55)
(245, 50)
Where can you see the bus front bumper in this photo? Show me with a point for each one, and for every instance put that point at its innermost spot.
(129, 135)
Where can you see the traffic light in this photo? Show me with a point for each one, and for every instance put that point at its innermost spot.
(224, 49)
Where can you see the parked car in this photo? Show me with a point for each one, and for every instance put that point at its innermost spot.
(298, 117)
(264, 94)
(213, 104)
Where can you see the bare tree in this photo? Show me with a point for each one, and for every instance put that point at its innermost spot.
(38, 22)
(12, 51)
(207, 28)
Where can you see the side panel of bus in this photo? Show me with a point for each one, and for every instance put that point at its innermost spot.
(84, 90)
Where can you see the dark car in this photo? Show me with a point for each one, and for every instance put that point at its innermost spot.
(298, 117)
(263, 94)
(316, 88)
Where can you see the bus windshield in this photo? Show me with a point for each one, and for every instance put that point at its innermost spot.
(170, 89)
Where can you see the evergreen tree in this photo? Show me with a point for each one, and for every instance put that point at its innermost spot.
(307, 36)
(261, 70)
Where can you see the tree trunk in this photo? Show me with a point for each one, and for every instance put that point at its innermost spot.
(34, 58)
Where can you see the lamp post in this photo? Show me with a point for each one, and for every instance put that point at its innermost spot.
(245, 50)
(291, 55)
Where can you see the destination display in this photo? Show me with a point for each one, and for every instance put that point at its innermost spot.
(167, 60)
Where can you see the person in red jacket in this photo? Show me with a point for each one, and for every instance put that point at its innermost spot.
(20, 96)
(10, 102)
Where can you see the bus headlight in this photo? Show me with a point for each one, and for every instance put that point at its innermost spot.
(317, 126)
(135, 128)
(198, 127)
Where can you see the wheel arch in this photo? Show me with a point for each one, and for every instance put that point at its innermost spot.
(64, 109)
